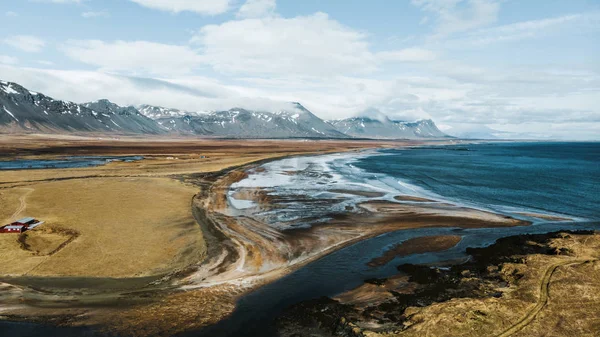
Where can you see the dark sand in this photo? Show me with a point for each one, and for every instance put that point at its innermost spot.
(420, 245)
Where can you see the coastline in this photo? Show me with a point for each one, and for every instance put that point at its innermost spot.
(159, 287)
(220, 280)
(237, 252)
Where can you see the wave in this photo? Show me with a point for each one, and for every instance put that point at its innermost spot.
(309, 189)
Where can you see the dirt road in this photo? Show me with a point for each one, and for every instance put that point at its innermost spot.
(22, 205)
(543, 298)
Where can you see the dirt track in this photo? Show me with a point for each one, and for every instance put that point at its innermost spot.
(543, 298)
(22, 205)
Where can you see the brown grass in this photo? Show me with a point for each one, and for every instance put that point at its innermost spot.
(127, 226)
(46, 241)
(573, 307)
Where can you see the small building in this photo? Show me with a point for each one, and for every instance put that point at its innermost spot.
(24, 221)
(21, 226)
(12, 229)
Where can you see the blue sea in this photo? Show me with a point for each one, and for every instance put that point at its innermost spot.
(550, 177)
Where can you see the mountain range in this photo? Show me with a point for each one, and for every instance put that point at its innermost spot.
(30, 111)
(385, 128)
(23, 110)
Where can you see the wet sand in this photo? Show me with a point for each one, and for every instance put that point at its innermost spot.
(425, 244)
(545, 216)
(411, 198)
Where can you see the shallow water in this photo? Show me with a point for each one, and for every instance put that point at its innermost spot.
(346, 269)
(67, 162)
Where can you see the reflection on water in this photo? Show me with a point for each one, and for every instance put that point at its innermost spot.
(67, 162)
(347, 269)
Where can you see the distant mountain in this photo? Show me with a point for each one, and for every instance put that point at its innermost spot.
(296, 122)
(157, 112)
(25, 110)
(127, 118)
(475, 131)
(385, 128)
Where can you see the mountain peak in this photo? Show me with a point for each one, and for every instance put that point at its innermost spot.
(299, 106)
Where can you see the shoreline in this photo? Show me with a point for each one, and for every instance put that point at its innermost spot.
(252, 281)
(161, 286)
(499, 289)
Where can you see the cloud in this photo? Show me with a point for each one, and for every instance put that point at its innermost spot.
(407, 55)
(529, 29)
(257, 9)
(11, 14)
(308, 45)
(25, 43)
(4, 59)
(187, 93)
(455, 16)
(91, 14)
(207, 7)
(134, 57)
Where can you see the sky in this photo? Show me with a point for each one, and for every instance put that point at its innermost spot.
(511, 67)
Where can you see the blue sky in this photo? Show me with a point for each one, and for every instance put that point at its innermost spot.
(518, 67)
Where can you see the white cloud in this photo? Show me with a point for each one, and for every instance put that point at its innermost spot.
(11, 14)
(257, 8)
(187, 93)
(134, 57)
(25, 43)
(455, 16)
(4, 59)
(529, 29)
(208, 7)
(313, 45)
(98, 14)
(407, 55)
(307, 45)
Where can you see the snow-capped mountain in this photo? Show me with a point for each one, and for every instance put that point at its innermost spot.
(25, 110)
(128, 118)
(385, 128)
(297, 122)
(157, 112)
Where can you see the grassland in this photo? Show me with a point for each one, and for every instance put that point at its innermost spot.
(555, 295)
(119, 222)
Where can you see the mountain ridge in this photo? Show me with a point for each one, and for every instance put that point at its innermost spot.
(23, 110)
(386, 128)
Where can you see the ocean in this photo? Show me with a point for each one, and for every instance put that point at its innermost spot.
(547, 177)
(555, 179)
